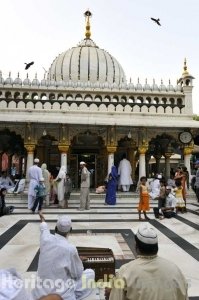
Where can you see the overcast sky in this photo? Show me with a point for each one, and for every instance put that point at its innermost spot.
(39, 30)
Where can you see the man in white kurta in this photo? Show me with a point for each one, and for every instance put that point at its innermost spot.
(12, 286)
(60, 268)
(46, 176)
(149, 277)
(155, 186)
(125, 170)
(34, 174)
(84, 187)
(60, 180)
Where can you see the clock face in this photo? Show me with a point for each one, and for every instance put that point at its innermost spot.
(185, 137)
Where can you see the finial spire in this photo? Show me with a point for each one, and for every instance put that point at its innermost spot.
(185, 72)
(87, 15)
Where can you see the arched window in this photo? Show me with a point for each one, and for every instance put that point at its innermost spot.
(179, 101)
(148, 100)
(26, 96)
(52, 96)
(115, 99)
(69, 97)
(172, 101)
(43, 96)
(88, 98)
(164, 100)
(156, 100)
(123, 99)
(8, 95)
(131, 99)
(35, 96)
(60, 97)
(17, 95)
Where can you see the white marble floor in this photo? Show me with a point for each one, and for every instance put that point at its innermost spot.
(106, 227)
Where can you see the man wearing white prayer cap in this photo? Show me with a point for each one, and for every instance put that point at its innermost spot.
(60, 269)
(34, 174)
(155, 186)
(84, 187)
(148, 276)
(12, 286)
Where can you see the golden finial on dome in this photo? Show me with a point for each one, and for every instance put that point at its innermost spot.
(87, 15)
(185, 72)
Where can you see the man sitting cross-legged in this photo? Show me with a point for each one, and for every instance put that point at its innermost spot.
(169, 209)
(60, 269)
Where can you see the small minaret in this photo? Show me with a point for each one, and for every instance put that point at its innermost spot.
(88, 15)
(186, 82)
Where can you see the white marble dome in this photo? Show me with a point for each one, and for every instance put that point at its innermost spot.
(86, 63)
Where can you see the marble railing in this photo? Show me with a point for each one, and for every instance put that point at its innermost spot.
(103, 106)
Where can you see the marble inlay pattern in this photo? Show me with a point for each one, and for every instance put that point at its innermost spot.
(102, 226)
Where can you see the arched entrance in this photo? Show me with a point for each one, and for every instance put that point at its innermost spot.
(47, 151)
(126, 146)
(12, 153)
(88, 147)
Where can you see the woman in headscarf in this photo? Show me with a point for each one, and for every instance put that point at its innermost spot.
(46, 176)
(60, 180)
(111, 187)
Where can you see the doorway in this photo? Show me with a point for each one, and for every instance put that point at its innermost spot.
(75, 171)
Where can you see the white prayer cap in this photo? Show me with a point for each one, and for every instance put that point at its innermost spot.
(159, 176)
(147, 234)
(36, 160)
(11, 285)
(168, 187)
(41, 179)
(64, 224)
(82, 163)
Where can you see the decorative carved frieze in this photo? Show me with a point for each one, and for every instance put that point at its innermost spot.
(63, 148)
(142, 149)
(30, 148)
(111, 149)
(188, 149)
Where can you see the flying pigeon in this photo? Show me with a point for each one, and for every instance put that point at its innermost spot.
(29, 65)
(157, 21)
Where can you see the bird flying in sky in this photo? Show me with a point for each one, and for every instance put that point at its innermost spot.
(29, 65)
(157, 21)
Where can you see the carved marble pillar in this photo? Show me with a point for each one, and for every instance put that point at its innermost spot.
(147, 159)
(30, 156)
(1, 161)
(157, 158)
(142, 149)
(21, 165)
(63, 148)
(167, 165)
(111, 150)
(187, 156)
(9, 163)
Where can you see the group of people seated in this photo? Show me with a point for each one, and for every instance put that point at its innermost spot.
(61, 275)
(171, 194)
(7, 185)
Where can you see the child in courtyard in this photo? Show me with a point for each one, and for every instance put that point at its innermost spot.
(40, 190)
(180, 203)
(144, 199)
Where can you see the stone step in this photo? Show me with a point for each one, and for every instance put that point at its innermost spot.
(95, 198)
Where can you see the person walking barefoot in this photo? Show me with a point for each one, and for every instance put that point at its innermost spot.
(144, 199)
